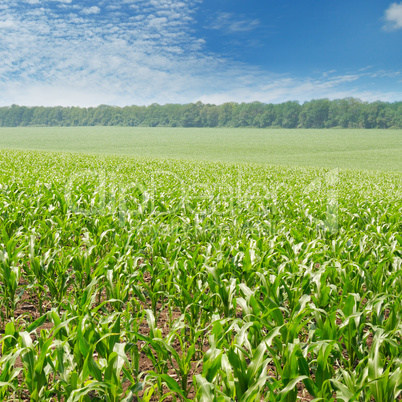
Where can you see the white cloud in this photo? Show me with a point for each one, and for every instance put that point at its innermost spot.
(91, 10)
(230, 23)
(327, 73)
(301, 89)
(393, 16)
(271, 88)
(81, 56)
(386, 74)
(56, 53)
(365, 68)
(8, 23)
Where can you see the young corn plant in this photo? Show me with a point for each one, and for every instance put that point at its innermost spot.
(10, 352)
(223, 291)
(352, 329)
(321, 366)
(384, 371)
(10, 275)
(37, 365)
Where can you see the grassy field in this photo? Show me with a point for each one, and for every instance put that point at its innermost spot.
(200, 265)
(157, 279)
(353, 149)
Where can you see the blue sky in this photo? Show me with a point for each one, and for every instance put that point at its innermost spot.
(124, 52)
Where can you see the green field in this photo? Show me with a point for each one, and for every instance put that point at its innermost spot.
(126, 279)
(353, 149)
(213, 265)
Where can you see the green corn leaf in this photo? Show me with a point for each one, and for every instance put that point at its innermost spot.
(36, 324)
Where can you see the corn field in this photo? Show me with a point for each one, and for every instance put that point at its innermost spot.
(127, 279)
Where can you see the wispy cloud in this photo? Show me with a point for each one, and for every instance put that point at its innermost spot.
(68, 52)
(231, 23)
(118, 56)
(393, 17)
(275, 89)
(91, 10)
(328, 73)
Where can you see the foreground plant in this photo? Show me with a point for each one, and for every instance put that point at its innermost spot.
(156, 279)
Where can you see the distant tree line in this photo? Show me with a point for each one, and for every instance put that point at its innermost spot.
(320, 113)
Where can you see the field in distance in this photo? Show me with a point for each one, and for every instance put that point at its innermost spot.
(352, 149)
